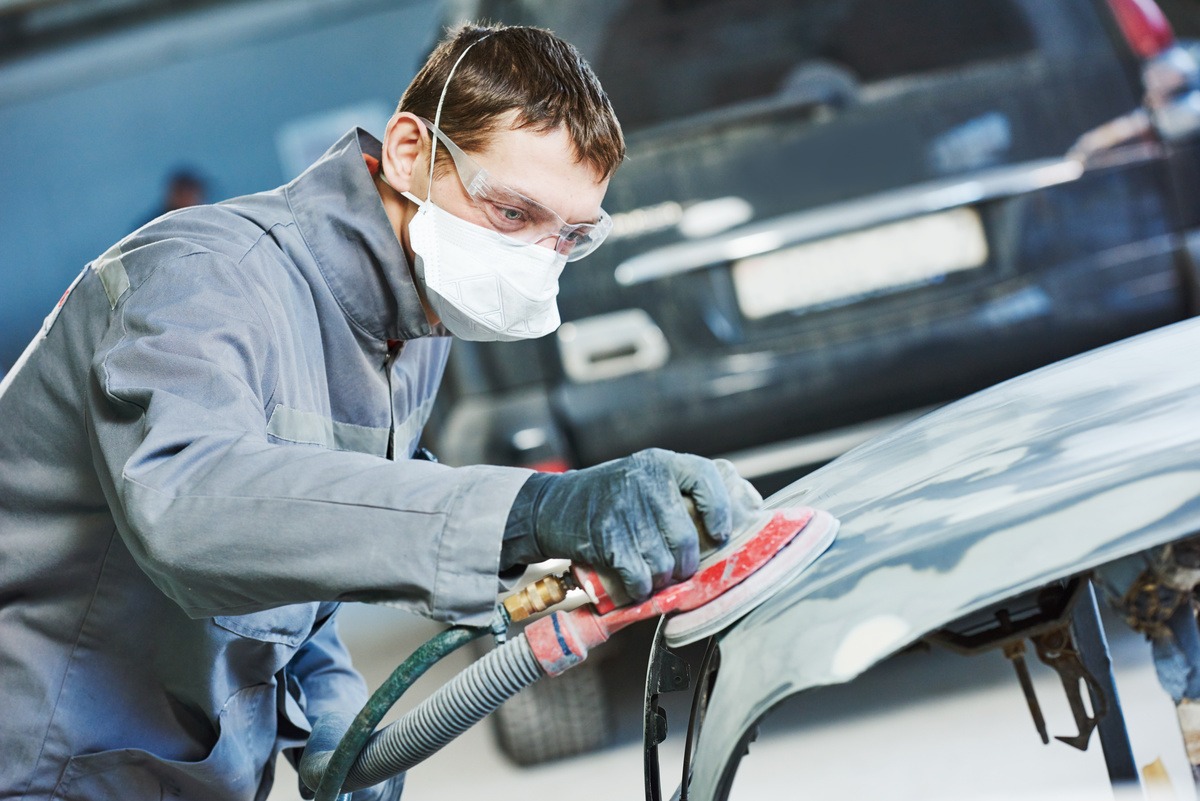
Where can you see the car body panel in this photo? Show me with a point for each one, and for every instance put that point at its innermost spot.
(1040, 478)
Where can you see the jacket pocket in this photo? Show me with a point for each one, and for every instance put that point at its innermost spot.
(286, 625)
(232, 770)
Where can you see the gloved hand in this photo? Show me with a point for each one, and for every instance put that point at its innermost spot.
(326, 735)
(629, 515)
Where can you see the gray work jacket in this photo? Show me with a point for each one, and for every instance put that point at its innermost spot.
(195, 467)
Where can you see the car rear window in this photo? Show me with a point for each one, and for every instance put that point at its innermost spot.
(665, 60)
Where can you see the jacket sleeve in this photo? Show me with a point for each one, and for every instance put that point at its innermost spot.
(225, 521)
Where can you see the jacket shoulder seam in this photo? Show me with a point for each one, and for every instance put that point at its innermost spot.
(220, 259)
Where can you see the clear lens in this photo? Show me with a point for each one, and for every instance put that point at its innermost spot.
(514, 215)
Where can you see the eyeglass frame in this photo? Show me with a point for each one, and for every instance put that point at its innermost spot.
(475, 180)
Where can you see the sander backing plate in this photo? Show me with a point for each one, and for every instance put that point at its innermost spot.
(726, 609)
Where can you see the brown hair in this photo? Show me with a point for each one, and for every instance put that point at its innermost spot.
(529, 70)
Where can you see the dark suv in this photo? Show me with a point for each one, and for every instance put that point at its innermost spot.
(836, 214)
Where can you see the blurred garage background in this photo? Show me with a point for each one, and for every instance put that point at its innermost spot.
(102, 102)
(847, 130)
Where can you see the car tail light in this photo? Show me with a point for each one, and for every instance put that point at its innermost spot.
(1144, 26)
(555, 465)
(539, 448)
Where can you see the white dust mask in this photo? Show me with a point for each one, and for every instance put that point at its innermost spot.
(483, 285)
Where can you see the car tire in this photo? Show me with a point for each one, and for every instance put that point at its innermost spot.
(557, 717)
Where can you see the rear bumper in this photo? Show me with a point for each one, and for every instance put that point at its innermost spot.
(773, 410)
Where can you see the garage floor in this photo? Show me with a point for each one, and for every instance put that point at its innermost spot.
(926, 725)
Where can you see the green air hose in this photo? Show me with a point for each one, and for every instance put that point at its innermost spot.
(330, 776)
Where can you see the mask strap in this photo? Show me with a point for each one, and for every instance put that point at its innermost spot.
(437, 117)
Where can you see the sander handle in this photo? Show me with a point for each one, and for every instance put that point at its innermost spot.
(604, 587)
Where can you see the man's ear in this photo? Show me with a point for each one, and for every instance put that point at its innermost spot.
(404, 143)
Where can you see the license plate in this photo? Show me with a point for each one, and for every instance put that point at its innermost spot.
(845, 268)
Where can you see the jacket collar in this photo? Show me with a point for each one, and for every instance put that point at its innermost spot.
(341, 217)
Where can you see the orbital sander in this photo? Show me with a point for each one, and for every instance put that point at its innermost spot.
(733, 578)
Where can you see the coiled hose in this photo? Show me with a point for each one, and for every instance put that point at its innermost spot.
(468, 698)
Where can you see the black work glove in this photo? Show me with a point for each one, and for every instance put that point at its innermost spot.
(629, 515)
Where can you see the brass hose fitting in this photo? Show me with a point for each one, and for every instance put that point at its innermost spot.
(538, 596)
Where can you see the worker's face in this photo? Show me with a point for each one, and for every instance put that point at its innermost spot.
(539, 165)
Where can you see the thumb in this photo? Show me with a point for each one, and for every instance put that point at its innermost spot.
(700, 478)
(745, 500)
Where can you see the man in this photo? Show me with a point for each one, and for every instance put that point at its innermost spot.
(206, 447)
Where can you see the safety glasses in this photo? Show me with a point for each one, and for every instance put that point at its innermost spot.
(520, 218)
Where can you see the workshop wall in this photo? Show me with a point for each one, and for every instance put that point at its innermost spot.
(90, 133)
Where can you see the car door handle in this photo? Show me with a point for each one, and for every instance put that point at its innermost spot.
(610, 345)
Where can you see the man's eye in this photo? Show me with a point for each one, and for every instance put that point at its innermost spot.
(511, 215)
